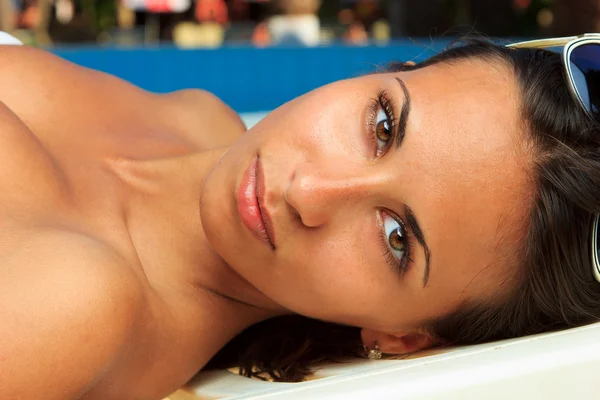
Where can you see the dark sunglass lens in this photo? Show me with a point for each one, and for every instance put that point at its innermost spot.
(596, 247)
(585, 69)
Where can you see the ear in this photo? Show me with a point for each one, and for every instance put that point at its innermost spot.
(396, 343)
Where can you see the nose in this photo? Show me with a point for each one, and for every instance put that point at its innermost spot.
(319, 192)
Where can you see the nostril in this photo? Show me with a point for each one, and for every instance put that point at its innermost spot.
(307, 195)
(292, 208)
(296, 216)
(298, 203)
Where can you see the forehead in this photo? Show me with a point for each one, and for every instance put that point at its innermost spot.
(468, 169)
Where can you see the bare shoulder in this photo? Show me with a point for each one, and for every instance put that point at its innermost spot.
(205, 118)
(45, 90)
(67, 314)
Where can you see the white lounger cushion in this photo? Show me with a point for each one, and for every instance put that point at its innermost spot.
(5, 38)
(556, 365)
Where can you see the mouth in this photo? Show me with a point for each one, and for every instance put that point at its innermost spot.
(251, 208)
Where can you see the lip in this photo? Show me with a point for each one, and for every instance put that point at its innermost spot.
(250, 202)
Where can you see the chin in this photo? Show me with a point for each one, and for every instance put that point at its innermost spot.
(218, 209)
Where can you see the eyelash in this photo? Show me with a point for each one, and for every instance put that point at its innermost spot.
(402, 266)
(386, 103)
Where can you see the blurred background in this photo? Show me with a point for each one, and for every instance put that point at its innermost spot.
(257, 54)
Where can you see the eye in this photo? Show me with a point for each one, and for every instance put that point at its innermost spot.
(397, 240)
(383, 132)
(381, 124)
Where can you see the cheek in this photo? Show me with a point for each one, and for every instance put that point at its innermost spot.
(341, 279)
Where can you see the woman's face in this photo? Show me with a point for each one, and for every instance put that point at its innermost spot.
(390, 198)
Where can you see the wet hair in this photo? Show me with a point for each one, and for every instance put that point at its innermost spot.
(554, 286)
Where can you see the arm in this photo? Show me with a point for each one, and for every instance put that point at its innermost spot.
(67, 311)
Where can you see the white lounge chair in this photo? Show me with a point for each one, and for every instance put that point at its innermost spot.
(557, 365)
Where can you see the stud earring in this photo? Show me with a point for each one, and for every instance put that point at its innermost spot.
(374, 353)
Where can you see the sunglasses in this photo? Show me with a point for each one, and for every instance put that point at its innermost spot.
(581, 60)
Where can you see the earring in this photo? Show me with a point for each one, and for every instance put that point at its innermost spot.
(374, 353)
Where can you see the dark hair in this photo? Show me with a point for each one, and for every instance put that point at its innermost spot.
(554, 287)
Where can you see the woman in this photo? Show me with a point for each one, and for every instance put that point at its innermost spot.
(443, 202)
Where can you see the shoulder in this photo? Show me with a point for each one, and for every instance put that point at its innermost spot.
(205, 118)
(28, 174)
(68, 313)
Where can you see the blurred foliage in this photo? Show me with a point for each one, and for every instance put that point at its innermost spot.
(101, 14)
(527, 22)
(106, 14)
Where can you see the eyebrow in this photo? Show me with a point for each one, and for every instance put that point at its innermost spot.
(411, 218)
(413, 223)
(401, 130)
